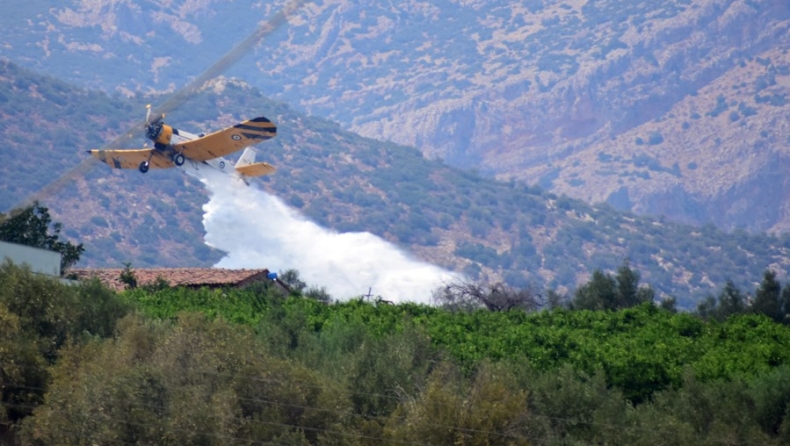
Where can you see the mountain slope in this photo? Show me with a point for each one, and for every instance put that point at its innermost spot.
(451, 217)
(556, 92)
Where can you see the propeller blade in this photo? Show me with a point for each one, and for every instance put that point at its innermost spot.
(231, 57)
(148, 113)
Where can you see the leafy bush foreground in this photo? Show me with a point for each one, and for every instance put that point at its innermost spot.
(83, 365)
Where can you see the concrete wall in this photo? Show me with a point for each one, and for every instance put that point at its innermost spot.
(39, 260)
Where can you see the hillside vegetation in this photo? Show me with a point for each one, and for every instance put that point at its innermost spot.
(458, 219)
(672, 107)
(162, 365)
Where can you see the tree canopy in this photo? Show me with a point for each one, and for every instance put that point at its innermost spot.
(250, 366)
(604, 292)
(33, 226)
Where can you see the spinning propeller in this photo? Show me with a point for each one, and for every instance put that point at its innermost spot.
(152, 128)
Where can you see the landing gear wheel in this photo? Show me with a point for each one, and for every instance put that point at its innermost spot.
(144, 166)
(178, 159)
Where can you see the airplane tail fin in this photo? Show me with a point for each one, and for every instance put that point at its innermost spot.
(249, 168)
(247, 158)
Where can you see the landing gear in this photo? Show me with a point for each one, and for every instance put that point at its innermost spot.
(178, 159)
(144, 166)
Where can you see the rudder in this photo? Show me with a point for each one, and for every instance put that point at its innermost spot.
(247, 158)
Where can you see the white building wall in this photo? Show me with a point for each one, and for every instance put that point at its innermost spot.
(39, 260)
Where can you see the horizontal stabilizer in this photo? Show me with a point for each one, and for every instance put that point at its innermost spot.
(256, 169)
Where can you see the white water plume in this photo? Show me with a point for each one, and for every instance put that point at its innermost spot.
(257, 230)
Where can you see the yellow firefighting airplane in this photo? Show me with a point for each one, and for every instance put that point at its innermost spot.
(173, 147)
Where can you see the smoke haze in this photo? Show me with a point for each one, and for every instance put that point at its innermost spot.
(257, 230)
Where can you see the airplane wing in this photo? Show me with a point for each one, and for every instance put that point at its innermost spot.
(131, 158)
(228, 140)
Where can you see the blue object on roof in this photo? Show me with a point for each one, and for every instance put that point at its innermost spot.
(272, 276)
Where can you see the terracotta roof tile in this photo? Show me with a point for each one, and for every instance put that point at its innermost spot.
(191, 277)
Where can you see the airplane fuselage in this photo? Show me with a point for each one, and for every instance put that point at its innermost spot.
(221, 164)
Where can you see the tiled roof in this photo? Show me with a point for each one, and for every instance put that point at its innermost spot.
(191, 277)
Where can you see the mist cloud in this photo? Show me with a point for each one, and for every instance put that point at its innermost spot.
(257, 230)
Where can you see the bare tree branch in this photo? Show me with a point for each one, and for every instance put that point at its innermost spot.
(468, 296)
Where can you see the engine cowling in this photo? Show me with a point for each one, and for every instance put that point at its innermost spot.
(159, 133)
